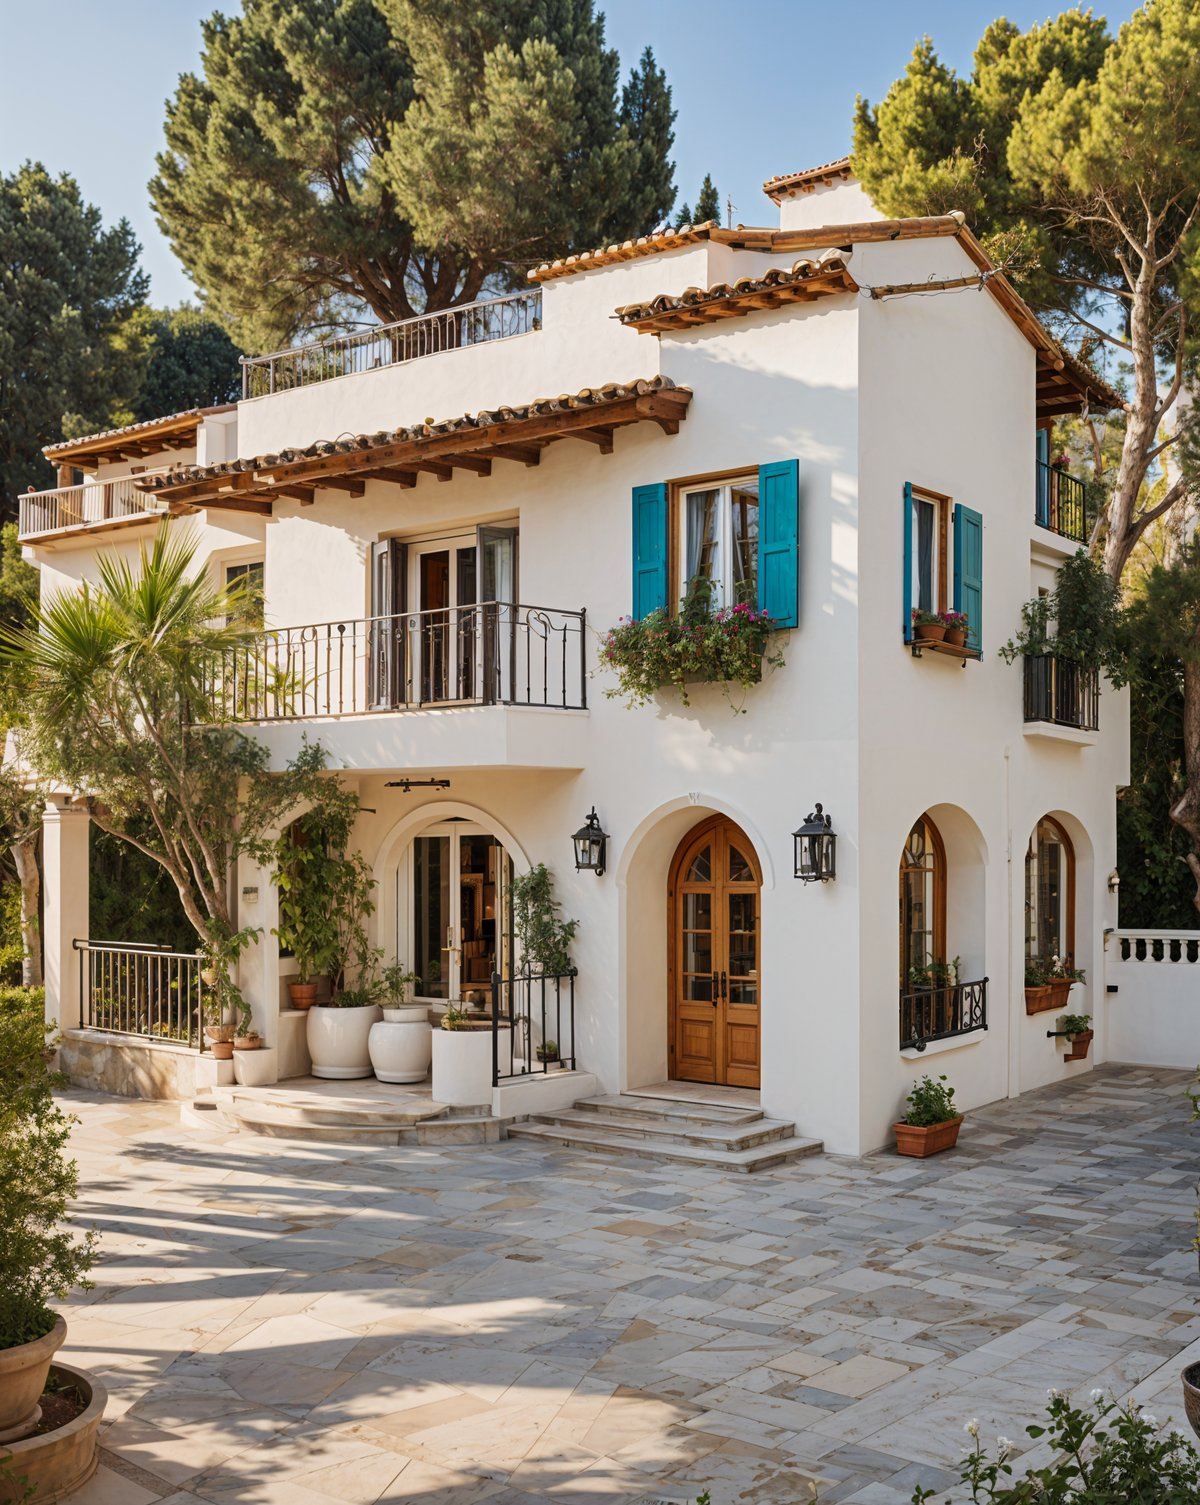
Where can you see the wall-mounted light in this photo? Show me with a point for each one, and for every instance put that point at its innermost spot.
(816, 848)
(1114, 881)
(590, 845)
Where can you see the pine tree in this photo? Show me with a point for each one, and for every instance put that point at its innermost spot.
(192, 363)
(708, 205)
(337, 156)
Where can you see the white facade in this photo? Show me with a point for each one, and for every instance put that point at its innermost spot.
(935, 391)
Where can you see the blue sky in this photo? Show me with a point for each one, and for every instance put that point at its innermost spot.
(762, 87)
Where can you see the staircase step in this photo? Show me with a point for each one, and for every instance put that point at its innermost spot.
(625, 1104)
(671, 1129)
(315, 1108)
(475, 1129)
(608, 1142)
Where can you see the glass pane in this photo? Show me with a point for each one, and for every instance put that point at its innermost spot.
(924, 554)
(431, 915)
(477, 909)
(698, 989)
(697, 911)
(697, 951)
(701, 537)
(916, 907)
(740, 870)
(700, 870)
(743, 533)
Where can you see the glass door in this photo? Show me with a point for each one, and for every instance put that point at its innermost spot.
(460, 905)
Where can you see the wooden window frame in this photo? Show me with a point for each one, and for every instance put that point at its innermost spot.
(938, 848)
(945, 506)
(1068, 847)
(675, 491)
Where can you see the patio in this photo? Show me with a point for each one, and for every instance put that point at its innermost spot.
(306, 1323)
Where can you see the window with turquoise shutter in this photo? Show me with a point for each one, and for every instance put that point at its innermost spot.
(968, 571)
(779, 541)
(651, 549)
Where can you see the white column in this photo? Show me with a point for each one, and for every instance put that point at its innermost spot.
(64, 904)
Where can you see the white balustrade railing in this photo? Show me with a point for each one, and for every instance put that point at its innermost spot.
(79, 506)
(1152, 997)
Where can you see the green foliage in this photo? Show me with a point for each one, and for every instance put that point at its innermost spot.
(1105, 1454)
(930, 1102)
(130, 896)
(708, 206)
(192, 363)
(719, 647)
(543, 939)
(40, 1256)
(12, 949)
(935, 974)
(401, 155)
(1075, 1024)
(395, 982)
(1041, 971)
(1079, 620)
(71, 357)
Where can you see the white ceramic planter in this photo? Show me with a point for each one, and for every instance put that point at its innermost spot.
(254, 1068)
(462, 1067)
(337, 1040)
(401, 1044)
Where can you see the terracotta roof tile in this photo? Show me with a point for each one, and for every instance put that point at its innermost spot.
(808, 178)
(628, 250)
(805, 279)
(133, 430)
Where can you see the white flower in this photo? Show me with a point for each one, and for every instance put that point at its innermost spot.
(1053, 1394)
(1005, 1445)
(1151, 1421)
(972, 1427)
(1097, 1395)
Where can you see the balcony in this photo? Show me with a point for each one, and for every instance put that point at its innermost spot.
(1061, 504)
(497, 653)
(393, 344)
(942, 1012)
(68, 509)
(1059, 693)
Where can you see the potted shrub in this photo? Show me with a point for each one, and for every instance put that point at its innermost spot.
(1078, 1030)
(931, 1123)
(308, 862)
(956, 624)
(401, 1043)
(339, 1031)
(548, 1050)
(227, 1012)
(927, 626)
(1048, 984)
(543, 938)
(40, 1259)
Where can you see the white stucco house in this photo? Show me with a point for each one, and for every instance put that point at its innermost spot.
(846, 417)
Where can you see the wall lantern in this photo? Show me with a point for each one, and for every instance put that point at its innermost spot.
(1114, 881)
(816, 848)
(590, 843)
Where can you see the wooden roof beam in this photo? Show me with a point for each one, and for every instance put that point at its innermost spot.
(480, 466)
(353, 484)
(302, 494)
(395, 476)
(601, 437)
(524, 454)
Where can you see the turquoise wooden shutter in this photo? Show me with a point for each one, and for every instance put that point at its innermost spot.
(968, 571)
(1042, 493)
(779, 541)
(908, 562)
(649, 549)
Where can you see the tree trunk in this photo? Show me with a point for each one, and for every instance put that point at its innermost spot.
(25, 856)
(1185, 812)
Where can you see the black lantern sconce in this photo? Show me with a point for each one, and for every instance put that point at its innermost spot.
(816, 849)
(590, 845)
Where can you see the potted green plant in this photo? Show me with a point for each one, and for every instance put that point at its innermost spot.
(1048, 983)
(40, 1260)
(543, 938)
(956, 624)
(309, 876)
(931, 1123)
(927, 626)
(226, 1010)
(400, 1044)
(547, 1050)
(339, 1031)
(1079, 1033)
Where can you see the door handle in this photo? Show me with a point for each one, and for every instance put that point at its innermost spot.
(724, 987)
(716, 990)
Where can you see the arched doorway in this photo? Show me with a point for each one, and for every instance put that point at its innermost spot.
(714, 957)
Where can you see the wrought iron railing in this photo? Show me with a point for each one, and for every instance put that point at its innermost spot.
(533, 1024)
(79, 506)
(494, 653)
(937, 1013)
(1061, 692)
(1061, 503)
(393, 344)
(130, 989)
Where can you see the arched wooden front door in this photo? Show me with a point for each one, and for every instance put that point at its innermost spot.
(715, 960)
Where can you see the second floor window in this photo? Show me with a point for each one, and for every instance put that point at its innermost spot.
(248, 579)
(719, 540)
(927, 551)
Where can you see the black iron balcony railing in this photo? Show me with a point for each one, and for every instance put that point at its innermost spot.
(533, 1024)
(1062, 693)
(493, 653)
(938, 1013)
(130, 989)
(1061, 503)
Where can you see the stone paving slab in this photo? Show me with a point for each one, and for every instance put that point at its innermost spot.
(305, 1324)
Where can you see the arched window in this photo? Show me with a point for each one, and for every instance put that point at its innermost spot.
(1049, 892)
(922, 902)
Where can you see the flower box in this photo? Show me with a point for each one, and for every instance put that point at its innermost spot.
(927, 1139)
(1048, 997)
(1080, 1045)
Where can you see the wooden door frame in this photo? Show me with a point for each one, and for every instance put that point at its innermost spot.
(690, 837)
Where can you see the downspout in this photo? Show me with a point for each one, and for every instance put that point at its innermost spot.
(1014, 1033)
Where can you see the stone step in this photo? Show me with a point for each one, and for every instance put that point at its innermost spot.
(626, 1104)
(609, 1142)
(477, 1129)
(672, 1128)
(323, 1108)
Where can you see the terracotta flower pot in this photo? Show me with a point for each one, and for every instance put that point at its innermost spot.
(956, 637)
(302, 994)
(23, 1372)
(927, 1139)
(221, 1050)
(1191, 1395)
(929, 632)
(57, 1463)
(1080, 1045)
(248, 1042)
(1050, 996)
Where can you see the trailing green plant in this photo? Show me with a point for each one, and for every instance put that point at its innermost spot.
(222, 1000)
(935, 974)
(42, 1256)
(543, 938)
(921, 618)
(1105, 1454)
(728, 646)
(930, 1102)
(1078, 621)
(1040, 972)
(1075, 1024)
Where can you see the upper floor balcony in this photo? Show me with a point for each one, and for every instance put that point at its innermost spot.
(68, 509)
(1061, 503)
(1059, 693)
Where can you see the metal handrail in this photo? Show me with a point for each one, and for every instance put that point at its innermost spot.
(133, 988)
(80, 506)
(942, 1011)
(476, 323)
(1061, 693)
(524, 1003)
(489, 653)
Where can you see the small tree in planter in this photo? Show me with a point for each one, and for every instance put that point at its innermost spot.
(41, 1257)
(543, 939)
(931, 1123)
